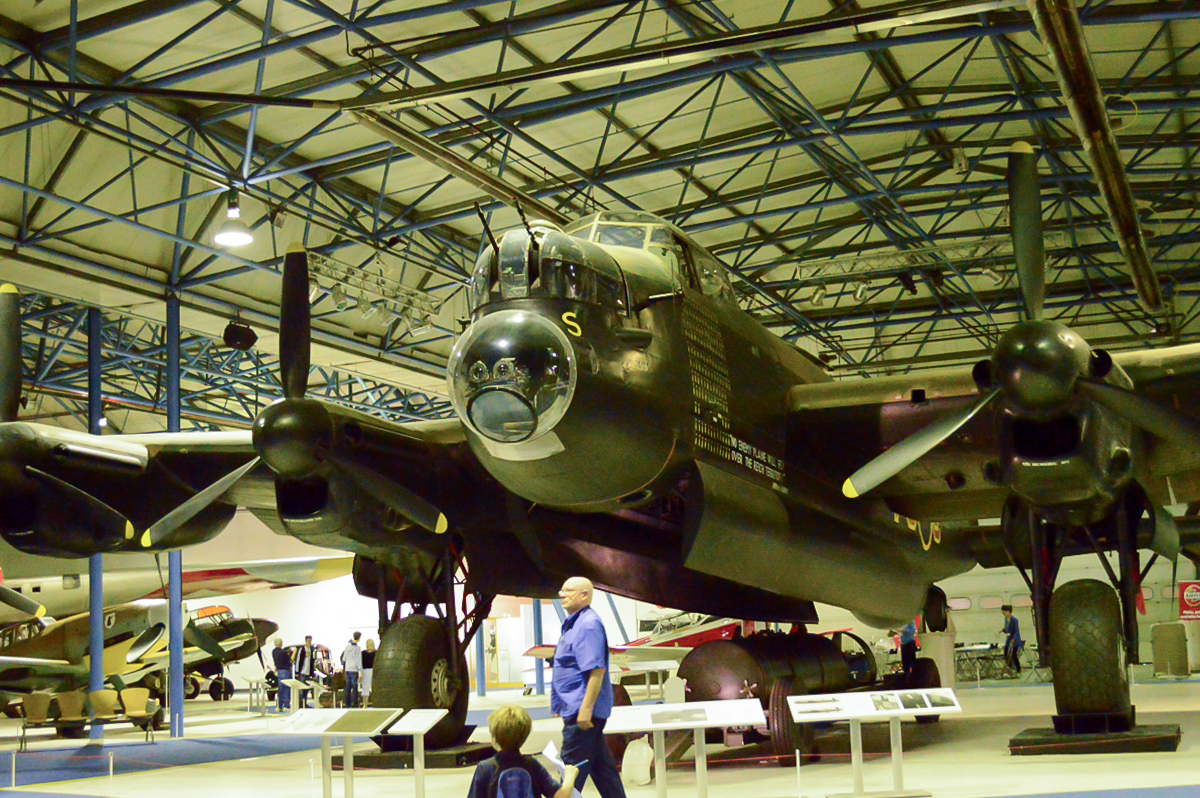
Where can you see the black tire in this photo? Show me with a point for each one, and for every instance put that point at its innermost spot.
(14, 710)
(925, 675)
(221, 689)
(788, 736)
(413, 671)
(72, 732)
(1087, 653)
(191, 687)
(936, 615)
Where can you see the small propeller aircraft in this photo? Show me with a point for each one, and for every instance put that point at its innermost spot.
(56, 657)
(620, 417)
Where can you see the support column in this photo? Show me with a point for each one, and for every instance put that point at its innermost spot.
(539, 671)
(481, 660)
(174, 558)
(95, 562)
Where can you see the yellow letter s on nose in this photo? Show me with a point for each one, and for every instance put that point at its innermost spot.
(572, 325)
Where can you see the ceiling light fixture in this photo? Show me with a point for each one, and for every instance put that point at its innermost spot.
(910, 285)
(365, 306)
(233, 232)
(340, 300)
(818, 296)
(860, 292)
(992, 275)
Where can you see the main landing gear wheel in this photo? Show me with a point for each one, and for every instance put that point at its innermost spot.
(788, 736)
(191, 687)
(413, 670)
(1087, 653)
(925, 675)
(221, 689)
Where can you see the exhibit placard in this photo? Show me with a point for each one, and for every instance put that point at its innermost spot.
(877, 704)
(417, 721)
(353, 722)
(1189, 601)
(688, 715)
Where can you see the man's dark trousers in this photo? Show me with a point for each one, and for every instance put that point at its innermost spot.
(580, 744)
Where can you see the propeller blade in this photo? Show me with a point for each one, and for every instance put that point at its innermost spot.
(20, 602)
(1166, 541)
(1156, 418)
(53, 491)
(1025, 223)
(185, 512)
(144, 642)
(909, 450)
(294, 323)
(195, 636)
(10, 352)
(394, 495)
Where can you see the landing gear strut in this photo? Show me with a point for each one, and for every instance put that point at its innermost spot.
(1086, 629)
(421, 662)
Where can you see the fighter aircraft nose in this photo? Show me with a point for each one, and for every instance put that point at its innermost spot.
(292, 436)
(1037, 363)
(511, 376)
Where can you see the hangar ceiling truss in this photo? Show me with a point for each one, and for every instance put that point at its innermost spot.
(844, 158)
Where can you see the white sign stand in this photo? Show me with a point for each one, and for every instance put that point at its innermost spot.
(695, 715)
(330, 723)
(889, 704)
(417, 723)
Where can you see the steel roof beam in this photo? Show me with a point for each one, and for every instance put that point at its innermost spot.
(1059, 27)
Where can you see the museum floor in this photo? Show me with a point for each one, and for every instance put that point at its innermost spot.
(961, 756)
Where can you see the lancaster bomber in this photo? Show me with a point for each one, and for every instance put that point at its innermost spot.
(620, 417)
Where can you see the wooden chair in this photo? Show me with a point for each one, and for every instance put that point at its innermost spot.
(36, 708)
(104, 705)
(140, 709)
(71, 711)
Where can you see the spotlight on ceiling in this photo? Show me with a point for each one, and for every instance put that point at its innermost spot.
(992, 275)
(314, 290)
(860, 292)
(233, 232)
(818, 295)
(338, 294)
(239, 336)
(365, 306)
(910, 285)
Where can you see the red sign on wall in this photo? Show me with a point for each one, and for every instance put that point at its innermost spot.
(1189, 601)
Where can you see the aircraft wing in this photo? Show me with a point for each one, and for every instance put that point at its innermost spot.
(626, 655)
(881, 412)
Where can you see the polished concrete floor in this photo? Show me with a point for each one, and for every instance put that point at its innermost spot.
(965, 756)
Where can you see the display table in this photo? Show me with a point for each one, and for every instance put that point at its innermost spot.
(299, 688)
(330, 723)
(257, 697)
(695, 715)
(887, 704)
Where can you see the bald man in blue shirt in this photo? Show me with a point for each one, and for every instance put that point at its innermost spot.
(581, 692)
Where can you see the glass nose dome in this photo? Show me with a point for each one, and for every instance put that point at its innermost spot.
(511, 376)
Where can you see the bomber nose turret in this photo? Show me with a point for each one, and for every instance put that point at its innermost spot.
(511, 376)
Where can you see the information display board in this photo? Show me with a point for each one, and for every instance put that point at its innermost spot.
(336, 722)
(879, 704)
(1189, 601)
(690, 715)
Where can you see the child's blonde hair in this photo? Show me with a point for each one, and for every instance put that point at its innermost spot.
(510, 726)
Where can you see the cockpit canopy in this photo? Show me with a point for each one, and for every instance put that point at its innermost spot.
(581, 262)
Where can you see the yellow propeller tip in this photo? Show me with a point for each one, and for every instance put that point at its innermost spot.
(441, 526)
(146, 541)
(296, 247)
(848, 490)
(40, 612)
(8, 288)
(129, 533)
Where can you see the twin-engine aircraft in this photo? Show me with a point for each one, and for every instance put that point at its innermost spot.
(620, 417)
